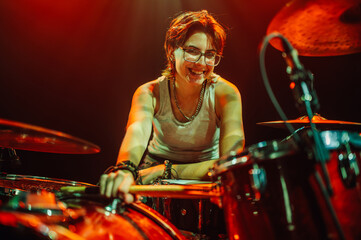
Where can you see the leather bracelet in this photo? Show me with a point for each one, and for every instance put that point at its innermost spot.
(125, 165)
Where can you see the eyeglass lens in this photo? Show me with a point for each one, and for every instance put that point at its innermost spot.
(193, 55)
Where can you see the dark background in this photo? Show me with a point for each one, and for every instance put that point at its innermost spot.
(73, 65)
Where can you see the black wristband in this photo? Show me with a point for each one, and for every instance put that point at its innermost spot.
(126, 165)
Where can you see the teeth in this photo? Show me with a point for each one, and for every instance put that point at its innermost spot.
(197, 72)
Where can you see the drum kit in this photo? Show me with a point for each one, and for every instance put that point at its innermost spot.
(271, 190)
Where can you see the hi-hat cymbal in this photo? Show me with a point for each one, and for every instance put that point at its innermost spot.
(23, 136)
(319, 27)
(320, 122)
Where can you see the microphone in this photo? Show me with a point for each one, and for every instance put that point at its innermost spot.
(302, 79)
(291, 56)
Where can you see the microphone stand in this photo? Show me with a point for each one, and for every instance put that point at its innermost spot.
(306, 100)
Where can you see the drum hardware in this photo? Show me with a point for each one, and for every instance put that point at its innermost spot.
(349, 169)
(114, 206)
(258, 180)
(347, 163)
(345, 141)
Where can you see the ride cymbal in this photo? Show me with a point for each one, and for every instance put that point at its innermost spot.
(319, 27)
(320, 122)
(23, 136)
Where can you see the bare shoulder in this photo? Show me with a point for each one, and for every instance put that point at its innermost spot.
(225, 88)
(148, 94)
(150, 88)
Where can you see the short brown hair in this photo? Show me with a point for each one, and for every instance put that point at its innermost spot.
(182, 26)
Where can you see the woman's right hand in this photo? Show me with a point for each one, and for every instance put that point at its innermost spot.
(117, 184)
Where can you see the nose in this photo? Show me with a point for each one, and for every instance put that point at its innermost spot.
(202, 60)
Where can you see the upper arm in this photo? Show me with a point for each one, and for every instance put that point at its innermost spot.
(143, 105)
(229, 110)
(139, 126)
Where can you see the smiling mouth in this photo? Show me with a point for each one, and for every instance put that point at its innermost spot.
(194, 72)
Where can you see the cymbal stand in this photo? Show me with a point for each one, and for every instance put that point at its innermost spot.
(8, 159)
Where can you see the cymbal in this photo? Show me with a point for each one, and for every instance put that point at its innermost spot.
(30, 183)
(33, 138)
(320, 122)
(319, 27)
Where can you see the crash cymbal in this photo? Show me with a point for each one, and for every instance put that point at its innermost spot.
(320, 122)
(319, 27)
(33, 138)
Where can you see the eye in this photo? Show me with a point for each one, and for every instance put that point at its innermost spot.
(210, 55)
(192, 51)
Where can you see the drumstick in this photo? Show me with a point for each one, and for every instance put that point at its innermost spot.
(175, 191)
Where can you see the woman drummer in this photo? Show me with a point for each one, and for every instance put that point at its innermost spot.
(189, 116)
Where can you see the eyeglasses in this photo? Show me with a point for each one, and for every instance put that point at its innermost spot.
(193, 55)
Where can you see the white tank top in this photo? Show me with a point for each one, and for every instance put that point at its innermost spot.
(194, 141)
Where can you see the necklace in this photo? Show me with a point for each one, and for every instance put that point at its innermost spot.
(199, 104)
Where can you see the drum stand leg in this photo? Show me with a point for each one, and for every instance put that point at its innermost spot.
(329, 205)
(200, 218)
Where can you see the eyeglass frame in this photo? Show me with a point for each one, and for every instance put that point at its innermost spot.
(200, 56)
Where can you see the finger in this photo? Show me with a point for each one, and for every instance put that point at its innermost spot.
(124, 188)
(102, 183)
(109, 184)
(128, 198)
(117, 182)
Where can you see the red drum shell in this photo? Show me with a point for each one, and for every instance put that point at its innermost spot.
(346, 199)
(88, 219)
(267, 194)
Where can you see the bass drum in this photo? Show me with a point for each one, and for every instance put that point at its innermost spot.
(267, 193)
(80, 216)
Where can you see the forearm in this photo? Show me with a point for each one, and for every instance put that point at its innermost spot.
(196, 171)
(134, 144)
(232, 144)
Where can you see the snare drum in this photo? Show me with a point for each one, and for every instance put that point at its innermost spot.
(267, 195)
(196, 218)
(81, 217)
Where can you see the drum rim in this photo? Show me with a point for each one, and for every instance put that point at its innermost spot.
(248, 156)
(333, 139)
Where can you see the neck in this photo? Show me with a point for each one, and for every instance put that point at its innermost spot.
(186, 90)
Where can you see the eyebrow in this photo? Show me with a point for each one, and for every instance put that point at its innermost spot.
(210, 50)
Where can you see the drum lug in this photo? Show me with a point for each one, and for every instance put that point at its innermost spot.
(258, 180)
(348, 168)
(115, 206)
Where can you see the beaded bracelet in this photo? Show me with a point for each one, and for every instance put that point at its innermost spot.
(125, 165)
